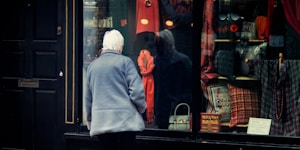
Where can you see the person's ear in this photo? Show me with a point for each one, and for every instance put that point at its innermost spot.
(121, 49)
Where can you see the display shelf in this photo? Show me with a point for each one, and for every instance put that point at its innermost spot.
(89, 3)
(238, 125)
(239, 78)
(238, 40)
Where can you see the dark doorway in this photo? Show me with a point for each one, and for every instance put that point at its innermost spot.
(32, 61)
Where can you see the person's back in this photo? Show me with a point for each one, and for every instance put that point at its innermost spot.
(115, 96)
(113, 109)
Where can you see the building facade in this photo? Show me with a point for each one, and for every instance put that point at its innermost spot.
(250, 100)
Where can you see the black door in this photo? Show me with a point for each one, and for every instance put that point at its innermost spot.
(32, 90)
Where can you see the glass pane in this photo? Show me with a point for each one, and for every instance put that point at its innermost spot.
(244, 67)
(143, 25)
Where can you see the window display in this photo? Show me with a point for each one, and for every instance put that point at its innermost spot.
(242, 75)
(259, 82)
(163, 57)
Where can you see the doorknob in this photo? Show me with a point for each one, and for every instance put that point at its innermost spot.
(61, 74)
(59, 30)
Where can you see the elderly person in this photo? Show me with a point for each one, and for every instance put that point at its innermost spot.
(115, 97)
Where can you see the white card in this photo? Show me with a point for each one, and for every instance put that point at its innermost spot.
(259, 126)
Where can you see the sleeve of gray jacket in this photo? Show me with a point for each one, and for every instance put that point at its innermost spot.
(135, 87)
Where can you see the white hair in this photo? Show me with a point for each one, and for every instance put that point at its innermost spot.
(113, 40)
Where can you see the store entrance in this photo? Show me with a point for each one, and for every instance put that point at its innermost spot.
(32, 74)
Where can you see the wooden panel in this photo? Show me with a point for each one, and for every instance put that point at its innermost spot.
(31, 51)
(13, 63)
(12, 118)
(45, 119)
(45, 20)
(14, 18)
(45, 64)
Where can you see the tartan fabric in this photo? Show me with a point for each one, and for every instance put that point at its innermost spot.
(207, 46)
(207, 38)
(245, 103)
(227, 62)
(289, 123)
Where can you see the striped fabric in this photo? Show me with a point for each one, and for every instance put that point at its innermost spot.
(289, 123)
(245, 103)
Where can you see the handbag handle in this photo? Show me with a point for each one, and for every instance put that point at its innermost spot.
(182, 104)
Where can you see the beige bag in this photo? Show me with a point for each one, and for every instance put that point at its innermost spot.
(180, 122)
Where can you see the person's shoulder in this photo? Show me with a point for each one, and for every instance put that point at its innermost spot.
(91, 64)
(124, 57)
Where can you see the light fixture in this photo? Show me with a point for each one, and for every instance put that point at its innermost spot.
(169, 23)
(144, 21)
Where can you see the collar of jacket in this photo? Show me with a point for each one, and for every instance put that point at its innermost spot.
(110, 51)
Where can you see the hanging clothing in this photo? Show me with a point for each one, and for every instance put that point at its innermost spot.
(207, 45)
(292, 13)
(280, 11)
(281, 96)
(260, 24)
(269, 17)
(292, 46)
(147, 16)
(146, 65)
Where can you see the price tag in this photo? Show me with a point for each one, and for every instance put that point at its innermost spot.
(259, 126)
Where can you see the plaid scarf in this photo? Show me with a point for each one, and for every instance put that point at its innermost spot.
(207, 46)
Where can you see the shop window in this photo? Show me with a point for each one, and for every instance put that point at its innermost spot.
(247, 74)
(140, 22)
(249, 65)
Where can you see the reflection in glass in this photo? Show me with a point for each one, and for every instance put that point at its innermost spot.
(95, 22)
(173, 76)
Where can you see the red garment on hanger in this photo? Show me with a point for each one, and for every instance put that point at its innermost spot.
(269, 17)
(207, 45)
(292, 13)
(146, 65)
(147, 16)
